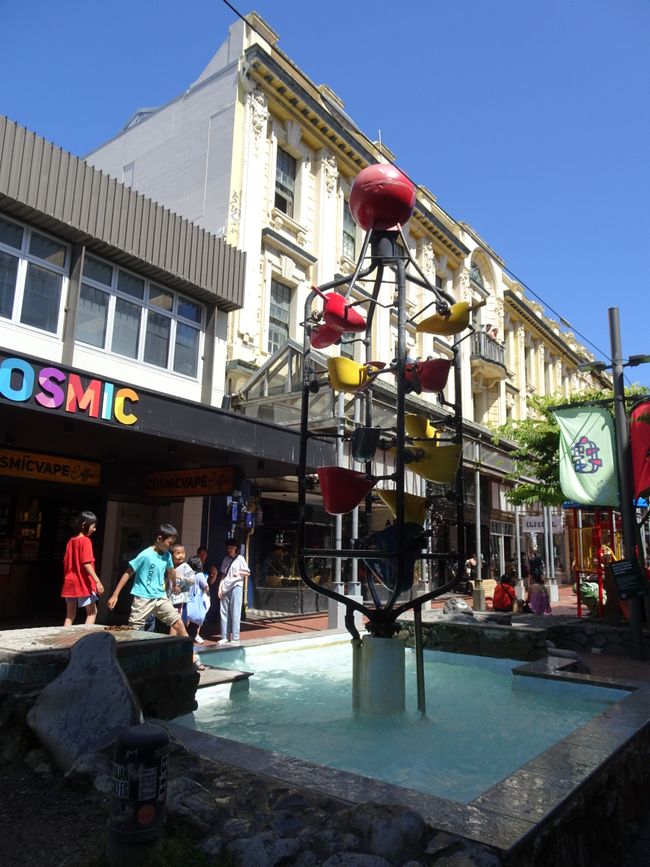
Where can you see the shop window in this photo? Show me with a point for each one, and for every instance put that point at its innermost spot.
(279, 316)
(32, 270)
(285, 182)
(127, 315)
(349, 233)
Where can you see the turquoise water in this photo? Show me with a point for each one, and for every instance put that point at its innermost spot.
(482, 723)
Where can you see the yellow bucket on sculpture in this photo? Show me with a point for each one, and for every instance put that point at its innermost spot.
(348, 375)
(419, 426)
(457, 321)
(438, 463)
(415, 508)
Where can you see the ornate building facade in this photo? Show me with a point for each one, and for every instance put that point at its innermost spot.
(257, 153)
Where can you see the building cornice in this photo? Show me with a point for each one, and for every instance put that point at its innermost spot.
(304, 102)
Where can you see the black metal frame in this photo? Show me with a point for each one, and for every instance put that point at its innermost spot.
(382, 618)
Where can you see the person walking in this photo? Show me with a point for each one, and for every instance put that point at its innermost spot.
(537, 565)
(234, 569)
(81, 585)
(154, 572)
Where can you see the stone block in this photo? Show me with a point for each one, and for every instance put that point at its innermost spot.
(84, 709)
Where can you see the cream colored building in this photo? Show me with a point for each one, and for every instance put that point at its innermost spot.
(258, 153)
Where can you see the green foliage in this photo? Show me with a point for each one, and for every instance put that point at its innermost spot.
(537, 440)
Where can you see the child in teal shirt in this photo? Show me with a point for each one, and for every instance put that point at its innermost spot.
(154, 571)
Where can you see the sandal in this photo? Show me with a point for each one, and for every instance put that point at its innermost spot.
(198, 666)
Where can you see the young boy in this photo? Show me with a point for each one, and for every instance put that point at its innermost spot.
(183, 580)
(153, 570)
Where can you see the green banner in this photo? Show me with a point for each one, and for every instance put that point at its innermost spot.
(588, 467)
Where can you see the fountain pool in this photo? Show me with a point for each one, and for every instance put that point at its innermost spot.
(482, 722)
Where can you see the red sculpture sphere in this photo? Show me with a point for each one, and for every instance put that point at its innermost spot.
(381, 196)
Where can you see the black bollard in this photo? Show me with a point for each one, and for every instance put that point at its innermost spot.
(138, 813)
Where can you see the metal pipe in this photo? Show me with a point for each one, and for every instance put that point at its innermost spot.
(419, 658)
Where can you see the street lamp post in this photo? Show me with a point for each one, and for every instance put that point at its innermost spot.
(626, 488)
(628, 519)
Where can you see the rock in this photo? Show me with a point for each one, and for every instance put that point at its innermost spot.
(470, 858)
(286, 824)
(355, 859)
(212, 845)
(232, 829)
(287, 800)
(263, 850)
(88, 767)
(189, 802)
(440, 841)
(85, 708)
(306, 859)
(387, 830)
(36, 757)
(455, 605)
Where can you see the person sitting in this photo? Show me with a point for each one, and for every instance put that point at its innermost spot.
(537, 598)
(503, 598)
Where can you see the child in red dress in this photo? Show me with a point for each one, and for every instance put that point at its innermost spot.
(81, 586)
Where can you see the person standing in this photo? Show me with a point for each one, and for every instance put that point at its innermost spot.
(81, 585)
(234, 569)
(537, 565)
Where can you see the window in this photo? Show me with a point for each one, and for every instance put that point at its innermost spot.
(475, 275)
(349, 233)
(130, 316)
(279, 315)
(32, 270)
(285, 182)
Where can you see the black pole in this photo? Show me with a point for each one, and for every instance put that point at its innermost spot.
(628, 519)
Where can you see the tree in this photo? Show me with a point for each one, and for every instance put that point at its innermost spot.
(536, 455)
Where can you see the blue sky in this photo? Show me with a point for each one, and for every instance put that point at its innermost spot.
(528, 120)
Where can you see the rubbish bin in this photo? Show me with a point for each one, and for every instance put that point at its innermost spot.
(139, 790)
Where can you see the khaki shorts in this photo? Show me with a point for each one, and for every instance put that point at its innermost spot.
(142, 608)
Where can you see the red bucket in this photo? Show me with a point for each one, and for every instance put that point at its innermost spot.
(322, 336)
(339, 314)
(434, 374)
(342, 489)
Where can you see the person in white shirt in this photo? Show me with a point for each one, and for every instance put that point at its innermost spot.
(234, 569)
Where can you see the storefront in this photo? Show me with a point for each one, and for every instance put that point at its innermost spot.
(74, 441)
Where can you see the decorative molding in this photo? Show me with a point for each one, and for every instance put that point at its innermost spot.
(330, 172)
(259, 110)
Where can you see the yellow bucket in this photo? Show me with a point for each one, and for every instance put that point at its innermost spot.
(438, 464)
(348, 375)
(457, 321)
(415, 508)
(419, 426)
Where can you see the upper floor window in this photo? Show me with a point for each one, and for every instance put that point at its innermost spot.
(475, 276)
(123, 313)
(285, 182)
(279, 316)
(349, 233)
(32, 269)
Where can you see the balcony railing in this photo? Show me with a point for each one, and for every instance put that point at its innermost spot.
(487, 348)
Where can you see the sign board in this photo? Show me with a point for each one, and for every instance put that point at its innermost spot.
(32, 465)
(203, 482)
(629, 578)
(535, 523)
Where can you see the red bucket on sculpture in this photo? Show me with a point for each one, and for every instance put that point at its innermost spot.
(322, 336)
(337, 313)
(342, 489)
(434, 374)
